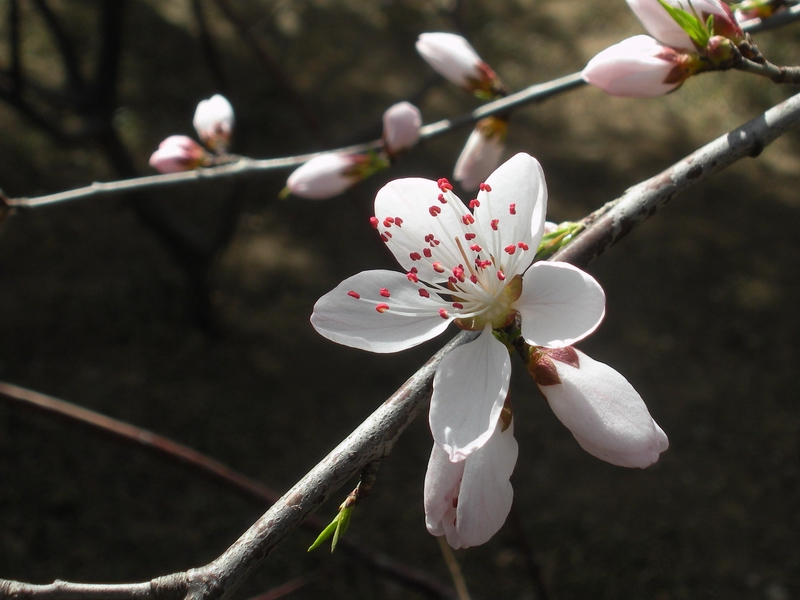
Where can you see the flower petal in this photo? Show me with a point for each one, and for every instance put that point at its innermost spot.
(605, 414)
(559, 305)
(442, 483)
(518, 201)
(355, 322)
(415, 201)
(485, 497)
(469, 389)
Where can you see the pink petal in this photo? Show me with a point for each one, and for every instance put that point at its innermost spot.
(605, 414)
(469, 390)
(214, 120)
(451, 56)
(401, 123)
(321, 177)
(559, 305)
(442, 484)
(660, 24)
(344, 319)
(480, 156)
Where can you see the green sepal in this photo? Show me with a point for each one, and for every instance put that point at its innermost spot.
(696, 29)
(555, 240)
(336, 528)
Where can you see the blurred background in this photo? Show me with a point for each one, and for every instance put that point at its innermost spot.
(185, 310)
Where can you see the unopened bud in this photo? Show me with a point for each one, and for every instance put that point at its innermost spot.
(401, 123)
(178, 153)
(213, 120)
(481, 153)
(455, 59)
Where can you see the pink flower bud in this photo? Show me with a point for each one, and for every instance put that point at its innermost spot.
(481, 153)
(401, 123)
(323, 177)
(658, 22)
(178, 153)
(639, 67)
(213, 121)
(455, 59)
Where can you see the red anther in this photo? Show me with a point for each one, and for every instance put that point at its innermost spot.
(494, 223)
(458, 272)
(474, 203)
(452, 280)
(444, 185)
(354, 294)
(424, 293)
(512, 208)
(374, 222)
(387, 222)
(382, 307)
(415, 256)
(384, 238)
(458, 305)
(443, 313)
(482, 264)
(435, 242)
(414, 270)
(384, 292)
(441, 198)
(412, 277)
(523, 245)
(485, 187)
(398, 221)
(473, 278)
(511, 248)
(388, 234)
(428, 237)
(468, 219)
(427, 252)
(437, 266)
(434, 210)
(470, 236)
(476, 248)
(500, 275)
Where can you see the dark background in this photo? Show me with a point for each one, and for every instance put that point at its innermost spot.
(97, 307)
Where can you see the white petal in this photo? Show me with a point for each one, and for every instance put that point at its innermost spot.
(415, 201)
(451, 56)
(485, 497)
(605, 414)
(660, 24)
(442, 483)
(469, 389)
(356, 322)
(401, 123)
(559, 305)
(518, 181)
(321, 177)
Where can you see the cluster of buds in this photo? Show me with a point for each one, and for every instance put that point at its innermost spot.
(330, 174)
(213, 121)
(688, 37)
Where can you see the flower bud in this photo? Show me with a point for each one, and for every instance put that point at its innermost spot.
(213, 121)
(481, 153)
(658, 22)
(401, 123)
(322, 177)
(178, 153)
(455, 59)
(639, 67)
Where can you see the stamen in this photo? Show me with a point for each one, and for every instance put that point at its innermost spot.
(474, 203)
(470, 236)
(424, 293)
(476, 248)
(512, 208)
(437, 266)
(458, 305)
(468, 219)
(523, 245)
(444, 185)
(412, 277)
(500, 275)
(434, 210)
(384, 292)
(387, 222)
(494, 223)
(485, 187)
(511, 248)
(443, 313)
(427, 252)
(398, 221)
(354, 294)
(415, 256)
(441, 199)
(385, 237)
(382, 307)
(374, 222)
